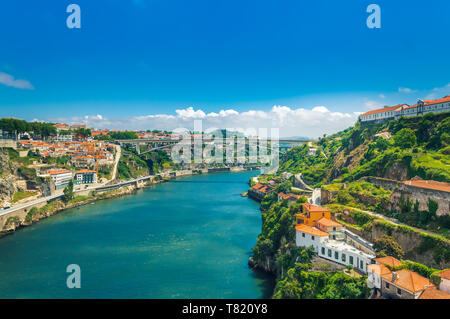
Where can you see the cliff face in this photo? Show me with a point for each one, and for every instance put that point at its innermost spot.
(7, 179)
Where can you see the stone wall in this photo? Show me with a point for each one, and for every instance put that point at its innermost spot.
(326, 196)
(413, 193)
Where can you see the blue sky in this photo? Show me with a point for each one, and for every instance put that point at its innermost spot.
(133, 58)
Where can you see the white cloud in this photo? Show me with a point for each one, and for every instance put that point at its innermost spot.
(9, 80)
(290, 121)
(372, 105)
(405, 90)
(382, 96)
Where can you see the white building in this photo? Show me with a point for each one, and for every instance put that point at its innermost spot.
(388, 112)
(404, 110)
(336, 251)
(374, 273)
(306, 236)
(344, 254)
(61, 177)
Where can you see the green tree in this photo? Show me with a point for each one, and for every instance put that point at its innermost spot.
(387, 246)
(405, 138)
(68, 192)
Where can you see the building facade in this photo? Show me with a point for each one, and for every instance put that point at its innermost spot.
(404, 110)
(85, 176)
(61, 177)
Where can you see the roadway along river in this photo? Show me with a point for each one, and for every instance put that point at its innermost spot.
(189, 238)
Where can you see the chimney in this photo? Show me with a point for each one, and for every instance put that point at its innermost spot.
(394, 276)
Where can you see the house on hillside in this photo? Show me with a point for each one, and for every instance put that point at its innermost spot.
(311, 214)
(290, 198)
(403, 284)
(258, 191)
(315, 228)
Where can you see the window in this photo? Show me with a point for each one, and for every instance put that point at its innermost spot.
(351, 260)
(361, 264)
(303, 235)
(387, 285)
(323, 250)
(336, 255)
(334, 228)
(329, 252)
(399, 292)
(343, 257)
(312, 237)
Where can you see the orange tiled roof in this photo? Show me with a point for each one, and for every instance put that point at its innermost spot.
(445, 274)
(408, 280)
(437, 101)
(433, 293)
(257, 186)
(385, 109)
(314, 208)
(379, 269)
(389, 261)
(57, 171)
(328, 222)
(312, 231)
(440, 186)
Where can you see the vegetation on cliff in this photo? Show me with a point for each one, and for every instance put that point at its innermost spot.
(132, 165)
(418, 146)
(401, 149)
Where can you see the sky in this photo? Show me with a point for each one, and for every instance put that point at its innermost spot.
(306, 67)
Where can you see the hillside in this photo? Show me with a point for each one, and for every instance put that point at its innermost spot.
(402, 149)
(396, 150)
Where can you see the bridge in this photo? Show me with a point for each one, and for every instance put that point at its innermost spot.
(157, 144)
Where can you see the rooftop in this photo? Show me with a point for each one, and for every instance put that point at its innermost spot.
(328, 222)
(384, 109)
(389, 261)
(342, 246)
(310, 230)
(379, 269)
(445, 274)
(440, 186)
(408, 280)
(57, 171)
(433, 293)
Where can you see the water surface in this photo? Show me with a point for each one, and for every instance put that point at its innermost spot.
(190, 238)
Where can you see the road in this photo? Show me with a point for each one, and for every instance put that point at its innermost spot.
(394, 221)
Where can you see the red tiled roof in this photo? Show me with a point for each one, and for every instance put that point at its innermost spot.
(437, 101)
(408, 280)
(433, 293)
(389, 261)
(309, 230)
(328, 222)
(57, 171)
(445, 274)
(430, 184)
(385, 109)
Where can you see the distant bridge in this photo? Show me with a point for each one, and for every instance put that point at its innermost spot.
(157, 144)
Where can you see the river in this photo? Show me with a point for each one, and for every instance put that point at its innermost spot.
(189, 238)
